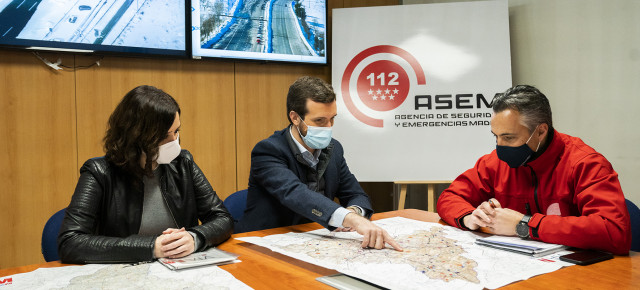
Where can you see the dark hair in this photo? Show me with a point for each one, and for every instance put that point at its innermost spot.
(138, 124)
(532, 105)
(308, 88)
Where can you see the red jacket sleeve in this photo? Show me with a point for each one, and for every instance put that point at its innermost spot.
(465, 194)
(603, 223)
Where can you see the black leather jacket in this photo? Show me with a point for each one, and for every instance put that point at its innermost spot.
(102, 221)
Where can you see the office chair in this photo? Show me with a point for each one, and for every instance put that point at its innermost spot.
(634, 214)
(49, 245)
(236, 204)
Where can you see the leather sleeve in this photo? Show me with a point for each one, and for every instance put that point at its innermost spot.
(217, 223)
(78, 242)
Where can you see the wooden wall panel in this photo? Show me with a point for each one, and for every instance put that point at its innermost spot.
(204, 90)
(261, 95)
(37, 152)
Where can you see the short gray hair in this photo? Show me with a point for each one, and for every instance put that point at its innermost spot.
(532, 105)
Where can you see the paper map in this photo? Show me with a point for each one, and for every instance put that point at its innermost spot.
(435, 256)
(122, 276)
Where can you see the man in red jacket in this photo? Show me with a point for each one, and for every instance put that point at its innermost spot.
(538, 183)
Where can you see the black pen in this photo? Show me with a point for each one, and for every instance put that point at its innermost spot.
(526, 206)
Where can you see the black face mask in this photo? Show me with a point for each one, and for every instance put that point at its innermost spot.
(516, 156)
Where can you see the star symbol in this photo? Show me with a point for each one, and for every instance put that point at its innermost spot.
(391, 97)
(375, 98)
(370, 92)
(395, 91)
(378, 91)
(386, 91)
(383, 97)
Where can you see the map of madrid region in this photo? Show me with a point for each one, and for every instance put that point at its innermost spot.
(434, 256)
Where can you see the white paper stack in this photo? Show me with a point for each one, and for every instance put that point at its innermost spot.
(211, 256)
(518, 245)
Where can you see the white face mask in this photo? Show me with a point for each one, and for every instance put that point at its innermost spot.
(169, 151)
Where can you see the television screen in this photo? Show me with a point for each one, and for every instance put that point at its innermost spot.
(277, 30)
(129, 26)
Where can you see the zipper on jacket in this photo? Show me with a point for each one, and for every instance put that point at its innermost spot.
(166, 203)
(535, 187)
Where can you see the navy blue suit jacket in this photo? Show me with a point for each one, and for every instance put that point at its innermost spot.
(278, 194)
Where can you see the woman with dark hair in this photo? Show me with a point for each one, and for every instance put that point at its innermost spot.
(144, 198)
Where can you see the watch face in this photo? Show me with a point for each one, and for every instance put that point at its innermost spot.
(522, 229)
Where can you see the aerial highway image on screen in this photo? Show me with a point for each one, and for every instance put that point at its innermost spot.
(133, 23)
(290, 30)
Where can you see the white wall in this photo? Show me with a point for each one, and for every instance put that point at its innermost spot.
(584, 55)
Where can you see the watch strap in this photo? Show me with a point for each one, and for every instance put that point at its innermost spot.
(359, 211)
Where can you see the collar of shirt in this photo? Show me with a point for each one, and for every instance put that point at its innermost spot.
(312, 159)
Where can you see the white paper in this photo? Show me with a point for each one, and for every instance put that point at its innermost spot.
(212, 256)
(122, 276)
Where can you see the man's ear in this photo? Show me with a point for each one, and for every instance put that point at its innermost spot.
(295, 119)
(543, 130)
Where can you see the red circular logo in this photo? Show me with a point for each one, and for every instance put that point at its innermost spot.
(383, 85)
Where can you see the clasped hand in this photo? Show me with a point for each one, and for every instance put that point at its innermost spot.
(174, 243)
(498, 220)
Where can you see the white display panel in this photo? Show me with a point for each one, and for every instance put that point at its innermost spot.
(414, 90)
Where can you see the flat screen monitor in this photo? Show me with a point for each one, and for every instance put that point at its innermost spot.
(270, 30)
(123, 26)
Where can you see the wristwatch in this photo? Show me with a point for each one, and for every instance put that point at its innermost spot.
(522, 228)
(357, 210)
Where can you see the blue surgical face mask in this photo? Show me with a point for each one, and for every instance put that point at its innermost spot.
(317, 137)
(516, 156)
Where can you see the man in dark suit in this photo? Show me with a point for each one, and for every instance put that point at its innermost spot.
(297, 172)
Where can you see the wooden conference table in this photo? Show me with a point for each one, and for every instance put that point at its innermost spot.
(263, 269)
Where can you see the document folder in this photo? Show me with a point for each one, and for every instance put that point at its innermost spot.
(518, 245)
